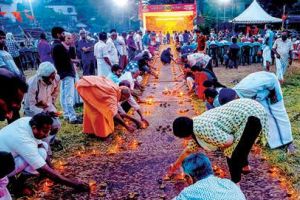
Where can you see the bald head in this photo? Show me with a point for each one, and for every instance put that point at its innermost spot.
(125, 93)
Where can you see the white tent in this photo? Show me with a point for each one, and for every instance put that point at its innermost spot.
(255, 14)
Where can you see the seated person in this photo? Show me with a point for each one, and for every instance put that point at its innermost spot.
(11, 96)
(142, 65)
(189, 79)
(143, 54)
(23, 139)
(125, 106)
(213, 87)
(202, 75)
(188, 48)
(211, 96)
(134, 78)
(166, 57)
(198, 59)
(101, 98)
(5, 169)
(204, 185)
(41, 97)
(115, 74)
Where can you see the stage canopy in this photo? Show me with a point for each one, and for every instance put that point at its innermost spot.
(168, 18)
(255, 14)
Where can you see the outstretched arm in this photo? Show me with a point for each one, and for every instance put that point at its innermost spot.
(56, 177)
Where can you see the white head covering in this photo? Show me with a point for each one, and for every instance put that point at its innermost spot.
(45, 69)
(9, 36)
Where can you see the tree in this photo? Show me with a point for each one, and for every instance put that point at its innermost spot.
(275, 7)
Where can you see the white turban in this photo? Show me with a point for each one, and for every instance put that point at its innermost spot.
(46, 69)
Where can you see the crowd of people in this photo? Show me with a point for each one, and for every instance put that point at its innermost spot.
(109, 85)
(112, 69)
(252, 111)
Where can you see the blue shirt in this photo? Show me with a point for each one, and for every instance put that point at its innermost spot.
(146, 40)
(212, 188)
(7, 62)
(270, 34)
(132, 66)
(114, 78)
(188, 48)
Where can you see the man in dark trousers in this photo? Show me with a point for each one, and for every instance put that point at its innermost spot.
(86, 49)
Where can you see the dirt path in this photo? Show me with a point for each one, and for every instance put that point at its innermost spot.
(133, 164)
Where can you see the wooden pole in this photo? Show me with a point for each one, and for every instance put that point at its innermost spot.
(282, 25)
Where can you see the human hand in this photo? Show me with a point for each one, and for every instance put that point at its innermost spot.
(278, 56)
(145, 122)
(53, 114)
(81, 186)
(172, 169)
(41, 104)
(130, 128)
(139, 124)
(290, 61)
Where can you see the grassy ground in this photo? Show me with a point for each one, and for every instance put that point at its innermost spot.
(74, 140)
(290, 164)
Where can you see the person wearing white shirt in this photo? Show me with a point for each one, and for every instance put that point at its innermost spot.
(138, 41)
(41, 96)
(102, 56)
(283, 49)
(122, 50)
(267, 59)
(180, 36)
(23, 139)
(112, 50)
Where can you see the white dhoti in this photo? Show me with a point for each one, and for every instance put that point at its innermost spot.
(103, 69)
(280, 127)
(22, 165)
(77, 98)
(4, 193)
(281, 67)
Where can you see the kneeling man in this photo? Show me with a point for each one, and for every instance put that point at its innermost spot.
(23, 139)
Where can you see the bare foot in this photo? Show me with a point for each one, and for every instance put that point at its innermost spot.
(291, 150)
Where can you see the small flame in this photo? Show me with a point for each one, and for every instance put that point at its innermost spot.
(134, 144)
(113, 149)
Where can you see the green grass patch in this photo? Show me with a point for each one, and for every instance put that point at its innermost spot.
(290, 165)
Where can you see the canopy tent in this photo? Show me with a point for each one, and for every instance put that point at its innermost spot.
(255, 14)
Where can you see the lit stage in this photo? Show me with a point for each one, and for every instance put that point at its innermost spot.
(168, 18)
